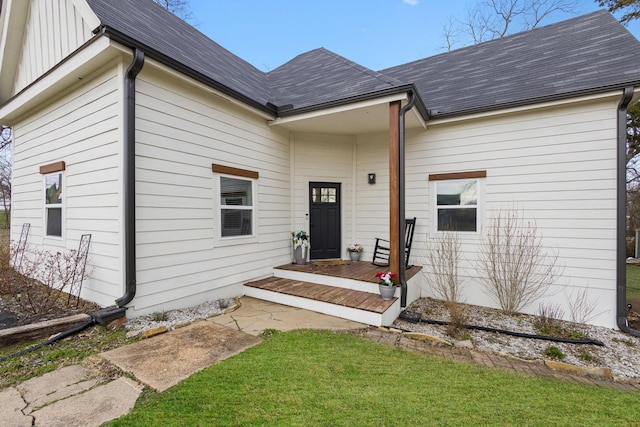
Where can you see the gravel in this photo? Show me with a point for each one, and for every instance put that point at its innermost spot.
(621, 352)
(170, 319)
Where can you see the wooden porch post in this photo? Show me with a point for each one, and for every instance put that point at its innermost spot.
(394, 186)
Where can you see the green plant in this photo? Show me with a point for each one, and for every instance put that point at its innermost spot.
(627, 342)
(355, 247)
(268, 333)
(554, 352)
(585, 355)
(160, 316)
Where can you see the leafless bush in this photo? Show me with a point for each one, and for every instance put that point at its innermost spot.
(549, 318)
(444, 255)
(514, 262)
(580, 309)
(44, 279)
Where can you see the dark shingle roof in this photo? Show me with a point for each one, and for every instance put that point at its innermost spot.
(582, 55)
(321, 76)
(591, 52)
(152, 26)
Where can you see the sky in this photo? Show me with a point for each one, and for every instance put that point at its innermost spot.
(374, 33)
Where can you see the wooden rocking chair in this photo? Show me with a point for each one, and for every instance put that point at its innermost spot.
(381, 251)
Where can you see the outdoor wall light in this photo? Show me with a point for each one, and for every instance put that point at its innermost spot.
(371, 178)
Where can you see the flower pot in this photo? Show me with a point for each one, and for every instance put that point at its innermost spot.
(300, 255)
(387, 292)
(355, 256)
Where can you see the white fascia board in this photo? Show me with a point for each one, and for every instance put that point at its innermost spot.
(340, 109)
(530, 107)
(13, 18)
(95, 54)
(87, 13)
(178, 75)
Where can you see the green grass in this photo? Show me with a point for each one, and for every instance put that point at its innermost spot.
(314, 378)
(633, 281)
(66, 352)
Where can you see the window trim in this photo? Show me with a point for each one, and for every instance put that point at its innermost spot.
(48, 206)
(220, 207)
(478, 177)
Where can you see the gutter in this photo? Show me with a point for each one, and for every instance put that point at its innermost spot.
(621, 222)
(401, 198)
(130, 177)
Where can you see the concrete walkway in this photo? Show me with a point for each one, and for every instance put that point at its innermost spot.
(75, 396)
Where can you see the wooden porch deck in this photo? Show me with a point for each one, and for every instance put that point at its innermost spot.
(361, 270)
(329, 294)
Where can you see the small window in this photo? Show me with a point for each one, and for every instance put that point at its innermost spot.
(457, 205)
(236, 207)
(53, 204)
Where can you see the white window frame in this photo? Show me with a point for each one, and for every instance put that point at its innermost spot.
(48, 206)
(479, 206)
(220, 208)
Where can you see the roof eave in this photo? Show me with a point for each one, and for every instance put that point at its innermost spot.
(132, 43)
(532, 101)
(419, 104)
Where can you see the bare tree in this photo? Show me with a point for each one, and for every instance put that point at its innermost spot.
(180, 8)
(5, 175)
(492, 19)
(631, 8)
(513, 261)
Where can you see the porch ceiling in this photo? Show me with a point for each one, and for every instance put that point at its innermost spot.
(351, 119)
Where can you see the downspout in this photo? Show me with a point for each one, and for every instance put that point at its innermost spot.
(401, 198)
(621, 223)
(130, 177)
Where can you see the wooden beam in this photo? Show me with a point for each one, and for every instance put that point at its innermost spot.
(234, 171)
(457, 175)
(52, 167)
(394, 186)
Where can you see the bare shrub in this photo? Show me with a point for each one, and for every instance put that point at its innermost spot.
(517, 268)
(580, 309)
(549, 319)
(44, 279)
(444, 255)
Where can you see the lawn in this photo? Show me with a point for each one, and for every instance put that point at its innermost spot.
(633, 281)
(311, 378)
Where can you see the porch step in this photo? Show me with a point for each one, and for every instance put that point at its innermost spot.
(359, 306)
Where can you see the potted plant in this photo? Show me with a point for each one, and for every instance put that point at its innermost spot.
(354, 250)
(386, 285)
(301, 243)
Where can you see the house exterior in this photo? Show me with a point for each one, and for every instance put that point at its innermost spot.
(191, 168)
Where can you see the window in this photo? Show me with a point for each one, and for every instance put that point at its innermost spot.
(53, 204)
(236, 206)
(457, 205)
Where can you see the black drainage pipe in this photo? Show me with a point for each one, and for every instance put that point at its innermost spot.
(130, 178)
(55, 338)
(417, 318)
(402, 276)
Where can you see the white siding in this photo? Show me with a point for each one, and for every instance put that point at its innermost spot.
(181, 131)
(557, 165)
(324, 158)
(81, 129)
(55, 28)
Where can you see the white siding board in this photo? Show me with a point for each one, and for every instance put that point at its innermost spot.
(558, 165)
(80, 128)
(181, 131)
(54, 29)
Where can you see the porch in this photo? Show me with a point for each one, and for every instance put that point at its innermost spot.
(348, 290)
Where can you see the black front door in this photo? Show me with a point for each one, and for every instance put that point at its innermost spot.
(324, 220)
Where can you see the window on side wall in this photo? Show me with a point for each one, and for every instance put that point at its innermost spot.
(236, 206)
(457, 201)
(53, 183)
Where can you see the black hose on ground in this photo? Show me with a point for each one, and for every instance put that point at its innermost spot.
(55, 338)
(417, 318)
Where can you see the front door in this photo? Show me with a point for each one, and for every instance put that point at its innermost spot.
(324, 220)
